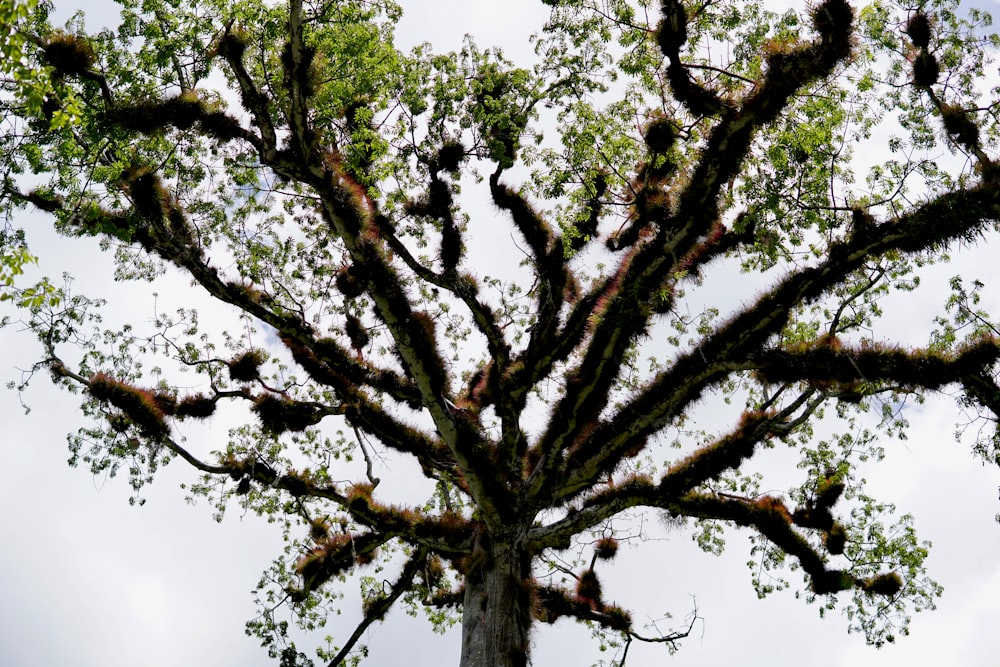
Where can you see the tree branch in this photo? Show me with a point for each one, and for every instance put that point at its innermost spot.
(297, 61)
(952, 216)
(828, 361)
(704, 465)
(378, 608)
(352, 216)
(628, 311)
(232, 47)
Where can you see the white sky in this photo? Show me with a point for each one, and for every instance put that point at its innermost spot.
(86, 580)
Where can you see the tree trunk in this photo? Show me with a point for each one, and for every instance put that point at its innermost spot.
(497, 606)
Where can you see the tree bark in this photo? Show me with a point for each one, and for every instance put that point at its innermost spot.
(497, 607)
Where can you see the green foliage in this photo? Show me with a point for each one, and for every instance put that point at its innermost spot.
(12, 263)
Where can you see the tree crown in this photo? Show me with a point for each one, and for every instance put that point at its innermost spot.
(321, 185)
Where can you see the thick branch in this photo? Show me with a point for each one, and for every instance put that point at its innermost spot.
(353, 218)
(325, 360)
(297, 62)
(553, 603)
(433, 455)
(830, 362)
(553, 279)
(182, 111)
(232, 47)
(640, 276)
(701, 467)
(952, 216)
(984, 389)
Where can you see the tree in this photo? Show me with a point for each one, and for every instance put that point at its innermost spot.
(317, 182)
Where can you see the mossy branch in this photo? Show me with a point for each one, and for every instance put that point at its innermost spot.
(772, 519)
(433, 455)
(438, 205)
(550, 603)
(829, 362)
(297, 62)
(334, 554)
(448, 533)
(553, 279)
(231, 46)
(729, 141)
(354, 218)
(618, 317)
(958, 215)
(73, 55)
(704, 465)
(167, 233)
(329, 363)
(626, 308)
(376, 610)
(183, 112)
(133, 402)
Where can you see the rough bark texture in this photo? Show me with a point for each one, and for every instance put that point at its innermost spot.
(497, 608)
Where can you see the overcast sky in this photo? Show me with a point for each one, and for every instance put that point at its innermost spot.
(86, 580)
